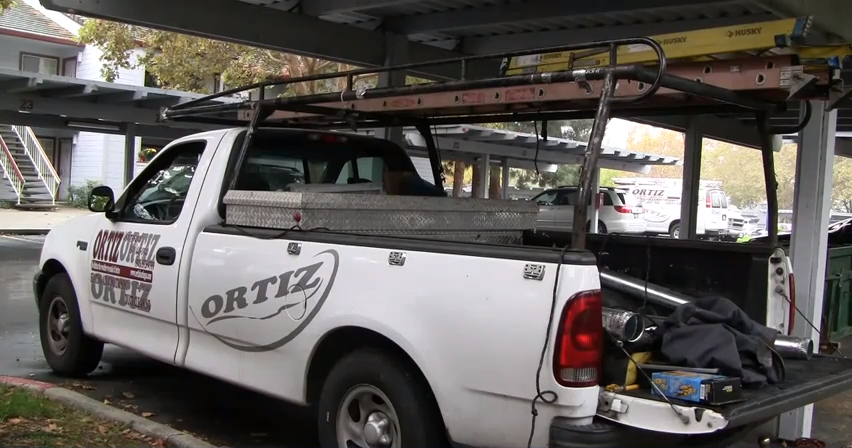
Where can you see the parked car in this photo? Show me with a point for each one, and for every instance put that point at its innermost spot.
(620, 212)
(397, 341)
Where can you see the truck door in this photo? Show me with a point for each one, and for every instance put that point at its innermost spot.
(136, 250)
(546, 202)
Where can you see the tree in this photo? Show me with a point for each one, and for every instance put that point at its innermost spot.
(189, 63)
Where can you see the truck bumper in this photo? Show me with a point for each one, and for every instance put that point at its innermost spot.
(605, 434)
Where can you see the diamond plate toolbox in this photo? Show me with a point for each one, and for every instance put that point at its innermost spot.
(432, 217)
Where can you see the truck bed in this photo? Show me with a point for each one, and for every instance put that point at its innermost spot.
(807, 382)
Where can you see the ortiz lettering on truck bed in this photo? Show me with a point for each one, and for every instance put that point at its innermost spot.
(122, 268)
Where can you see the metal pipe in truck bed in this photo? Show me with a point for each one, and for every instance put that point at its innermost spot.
(635, 287)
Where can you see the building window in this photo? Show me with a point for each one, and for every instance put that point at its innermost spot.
(45, 65)
(69, 67)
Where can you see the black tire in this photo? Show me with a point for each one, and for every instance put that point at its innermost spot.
(82, 353)
(601, 227)
(674, 230)
(419, 422)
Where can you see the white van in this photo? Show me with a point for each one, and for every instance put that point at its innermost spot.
(661, 199)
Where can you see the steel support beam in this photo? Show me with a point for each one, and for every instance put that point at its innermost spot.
(722, 129)
(520, 41)
(81, 110)
(267, 28)
(517, 13)
(142, 130)
(809, 243)
(325, 7)
(691, 180)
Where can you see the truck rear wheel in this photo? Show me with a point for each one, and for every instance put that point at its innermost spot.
(68, 351)
(371, 399)
(674, 230)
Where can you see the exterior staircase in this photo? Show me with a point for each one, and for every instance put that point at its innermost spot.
(26, 168)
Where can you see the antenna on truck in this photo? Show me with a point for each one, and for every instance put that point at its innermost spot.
(593, 81)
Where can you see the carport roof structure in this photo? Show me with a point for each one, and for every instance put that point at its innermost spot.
(457, 142)
(33, 99)
(377, 32)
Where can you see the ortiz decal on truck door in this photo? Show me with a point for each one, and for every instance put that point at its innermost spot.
(123, 268)
(269, 312)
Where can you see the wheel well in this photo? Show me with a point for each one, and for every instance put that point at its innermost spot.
(345, 340)
(51, 268)
(674, 223)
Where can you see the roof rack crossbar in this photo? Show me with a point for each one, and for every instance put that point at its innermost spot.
(462, 61)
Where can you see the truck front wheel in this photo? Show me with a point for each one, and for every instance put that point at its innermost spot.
(68, 351)
(371, 399)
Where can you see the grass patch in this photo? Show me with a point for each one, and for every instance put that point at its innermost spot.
(28, 419)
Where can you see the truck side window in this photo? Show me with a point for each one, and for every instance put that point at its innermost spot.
(157, 196)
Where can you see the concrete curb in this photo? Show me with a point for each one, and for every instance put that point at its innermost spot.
(24, 231)
(172, 437)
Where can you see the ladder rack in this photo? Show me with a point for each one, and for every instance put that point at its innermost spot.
(762, 85)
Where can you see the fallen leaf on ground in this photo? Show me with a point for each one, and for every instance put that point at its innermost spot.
(15, 421)
(147, 414)
(87, 387)
(159, 443)
(107, 401)
(128, 395)
(102, 429)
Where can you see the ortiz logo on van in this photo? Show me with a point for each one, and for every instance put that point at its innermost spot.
(122, 268)
(269, 312)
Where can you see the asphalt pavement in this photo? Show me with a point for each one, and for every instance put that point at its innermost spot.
(230, 416)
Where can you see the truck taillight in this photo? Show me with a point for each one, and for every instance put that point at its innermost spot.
(579, 341)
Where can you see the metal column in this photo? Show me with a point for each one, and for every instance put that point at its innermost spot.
(129, 153)
(808, 246)
(692, 146)
(595, 212)
(484, 162)
(504, 185)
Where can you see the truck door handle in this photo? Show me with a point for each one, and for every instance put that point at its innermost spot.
(166, 255)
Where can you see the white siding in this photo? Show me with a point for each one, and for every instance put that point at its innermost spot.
(90, 66)
(100, 158)
(11, 48)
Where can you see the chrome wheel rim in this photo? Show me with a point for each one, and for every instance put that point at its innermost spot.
(676, 233)
(367, 419)
(58, 326)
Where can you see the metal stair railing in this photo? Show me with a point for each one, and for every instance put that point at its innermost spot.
(46, 173)
(11, 170)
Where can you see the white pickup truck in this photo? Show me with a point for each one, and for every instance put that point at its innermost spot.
(393, 341)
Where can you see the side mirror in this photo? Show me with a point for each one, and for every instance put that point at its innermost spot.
(101, 199)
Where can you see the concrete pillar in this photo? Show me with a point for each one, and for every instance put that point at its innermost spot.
(691, 180)
(808, 246)
(504, 164)
(594, 211)
(129, 153)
